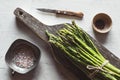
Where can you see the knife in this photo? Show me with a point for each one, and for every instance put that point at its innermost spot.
(62, 12)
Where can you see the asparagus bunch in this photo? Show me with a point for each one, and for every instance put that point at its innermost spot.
(83, 53)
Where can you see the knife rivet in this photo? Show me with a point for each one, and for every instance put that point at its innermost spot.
(58, 11)
(65, 12)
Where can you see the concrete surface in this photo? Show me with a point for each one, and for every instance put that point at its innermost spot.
(47, 69)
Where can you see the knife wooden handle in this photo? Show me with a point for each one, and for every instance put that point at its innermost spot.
(39, 28)
(70, 13)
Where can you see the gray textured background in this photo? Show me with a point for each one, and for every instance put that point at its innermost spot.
(47, 69)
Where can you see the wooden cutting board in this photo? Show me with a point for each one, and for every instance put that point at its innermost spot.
(39, 28)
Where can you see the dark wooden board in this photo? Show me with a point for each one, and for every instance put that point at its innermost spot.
(39, 28)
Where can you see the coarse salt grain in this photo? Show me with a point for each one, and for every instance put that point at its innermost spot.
(23, 61)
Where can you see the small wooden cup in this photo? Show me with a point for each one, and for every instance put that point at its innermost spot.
(102, 23)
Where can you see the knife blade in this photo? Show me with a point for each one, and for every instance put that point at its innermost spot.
(62, 12)
(47, 10)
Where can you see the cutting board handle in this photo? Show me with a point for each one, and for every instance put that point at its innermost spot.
(40, 29)
(35, 25)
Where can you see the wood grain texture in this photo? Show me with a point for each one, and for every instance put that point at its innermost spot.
(40, 28)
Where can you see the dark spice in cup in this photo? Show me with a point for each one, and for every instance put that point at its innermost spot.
(100, 24)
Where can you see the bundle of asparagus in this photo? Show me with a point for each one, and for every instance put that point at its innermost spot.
(83, 53)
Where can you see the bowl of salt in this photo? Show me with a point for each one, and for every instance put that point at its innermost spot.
(22, 56)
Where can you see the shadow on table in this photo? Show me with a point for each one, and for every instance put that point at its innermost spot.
(101, 37)
(73, 70)
(60, 68)
(28, 76)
